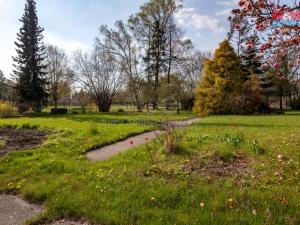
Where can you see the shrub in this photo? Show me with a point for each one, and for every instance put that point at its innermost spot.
(222, 79)
(7, 110)
(59, 111)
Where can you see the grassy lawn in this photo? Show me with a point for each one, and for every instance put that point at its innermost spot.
(229, 170)
(144, 118)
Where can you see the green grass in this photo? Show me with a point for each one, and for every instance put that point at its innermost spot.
(149, 187)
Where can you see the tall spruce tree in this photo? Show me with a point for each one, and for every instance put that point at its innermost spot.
(29, 63)
(250, 58)
(152, 29)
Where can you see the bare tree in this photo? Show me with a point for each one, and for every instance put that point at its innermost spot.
(58, 70)
(124, 50)
(100, 75)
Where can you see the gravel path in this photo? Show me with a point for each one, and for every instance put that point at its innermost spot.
(108, 151)
(15, 211)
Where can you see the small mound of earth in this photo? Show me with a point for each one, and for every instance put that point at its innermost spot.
(218, 167)
(19, 139)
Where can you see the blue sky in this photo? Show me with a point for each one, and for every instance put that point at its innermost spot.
(73, 24)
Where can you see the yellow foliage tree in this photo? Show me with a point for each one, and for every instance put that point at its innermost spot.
(221, 81)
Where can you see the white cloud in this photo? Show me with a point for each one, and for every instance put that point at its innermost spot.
(225, 12)
(189, 17)
(7, 47)
(68, 45)
(228, 3)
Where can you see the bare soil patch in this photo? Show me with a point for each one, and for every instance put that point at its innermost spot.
(19, 139)
(216, 166)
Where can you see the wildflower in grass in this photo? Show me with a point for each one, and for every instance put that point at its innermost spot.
(230, 203)
(284, 202)
(153, 199)
(280, 158)
(277, 174)
(202, 205)
(254, 212)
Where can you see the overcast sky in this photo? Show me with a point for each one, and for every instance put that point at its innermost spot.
(73, 24)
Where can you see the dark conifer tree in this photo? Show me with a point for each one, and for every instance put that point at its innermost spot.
(155, 58)
(250, 58)
(29, 63)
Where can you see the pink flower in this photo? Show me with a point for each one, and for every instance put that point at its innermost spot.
(237, 26)
(276, 65)
(245, 4)
(260, 27)
(261, 3)
(249, 46)
(282, 78)
(263, 47)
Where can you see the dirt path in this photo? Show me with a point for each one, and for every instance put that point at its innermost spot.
(108, 151)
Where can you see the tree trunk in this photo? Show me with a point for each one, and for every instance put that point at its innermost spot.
(104, 107)
(169, 64)
(280, 102)
(55, 100)
(281, 96)
(55, 95)
(178, 109)
(104, 103)
(137, 100)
